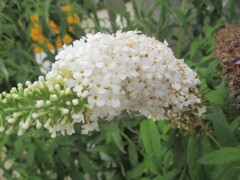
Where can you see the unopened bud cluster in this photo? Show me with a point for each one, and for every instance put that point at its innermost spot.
(99, 77)
(43, 105)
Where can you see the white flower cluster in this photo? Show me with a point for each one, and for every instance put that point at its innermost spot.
(126, 71)
(99, 77)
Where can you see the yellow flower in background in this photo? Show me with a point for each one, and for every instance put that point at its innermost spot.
(67, 39)
(37, 34)
(58, 42)
(72, 18)
(34, 18)
(54, 27)
(49, 45)
(66, 8)
(37, 49)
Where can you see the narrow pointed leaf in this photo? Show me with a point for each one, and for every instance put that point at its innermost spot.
(151, 141)
(222, 156)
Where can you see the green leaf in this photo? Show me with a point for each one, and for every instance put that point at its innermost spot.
(136, 172)
(65, 156)
(106, 157)
(193, 48)
(19, 145)
(31, 156)
(145, 178)
(172, 174)
(179, 148)
(211, 82)
(44, 156)
(3, 70)
(234, 124)
(35, 178)
(206, 147)
(133, 155)
(159, 177)
(219, 96)
(164, 127)
(22, 77)
(3, 140)
(168, 158)
(151, 165)
(103, 148)
(205, 58)
(112, 133)
(86, 164)
(224, 172)
(22, 171)
(194, 153)
(221, 127)
(150, 137)
(222, 156)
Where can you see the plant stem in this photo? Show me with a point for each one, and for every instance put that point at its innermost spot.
(131, 142)
(183, 172)
(214, 140)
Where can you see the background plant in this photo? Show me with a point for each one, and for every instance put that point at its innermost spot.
(130, 147)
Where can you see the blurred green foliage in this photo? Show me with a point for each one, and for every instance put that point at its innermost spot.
(130, 147)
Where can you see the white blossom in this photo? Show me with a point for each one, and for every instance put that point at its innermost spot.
(90, 127)
(78, 118)
(126, 71)
(75, 102)
(201, 111)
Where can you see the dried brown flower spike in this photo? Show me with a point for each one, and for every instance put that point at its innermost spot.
(227, 49)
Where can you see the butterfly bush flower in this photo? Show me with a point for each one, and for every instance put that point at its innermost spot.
(227, 50)
(99, 77)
